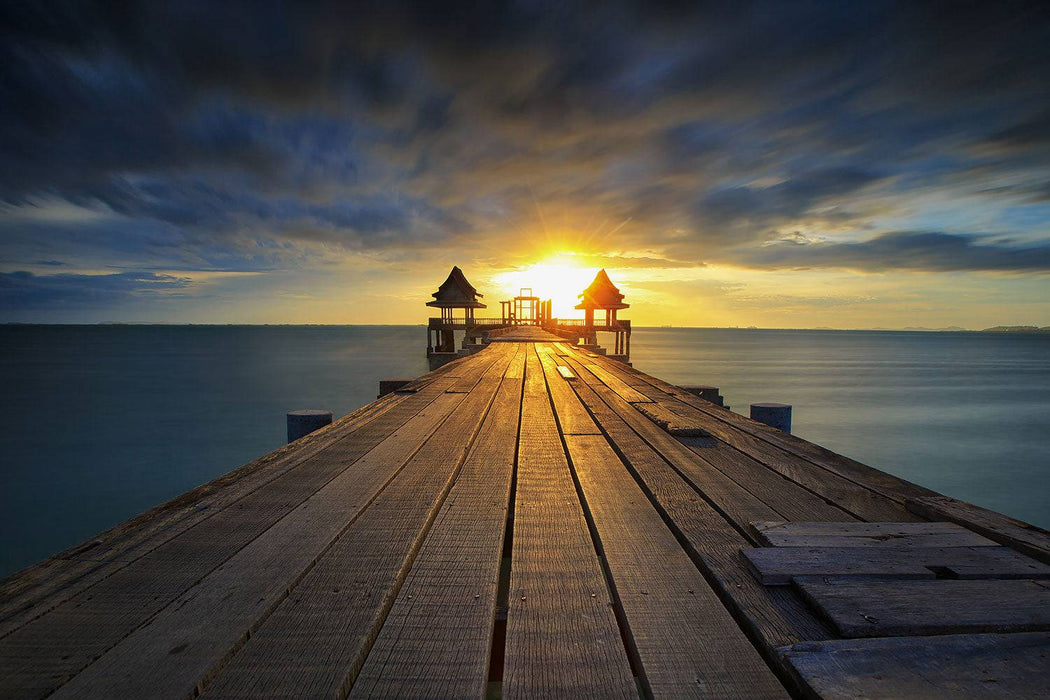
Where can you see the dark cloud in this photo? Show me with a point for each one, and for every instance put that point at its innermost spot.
(24, 291)
(254, 135)
(907, 250)
(786, 200)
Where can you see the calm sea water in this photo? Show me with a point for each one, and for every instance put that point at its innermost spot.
(102, 422)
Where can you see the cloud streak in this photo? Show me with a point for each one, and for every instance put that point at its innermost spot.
(273, 136)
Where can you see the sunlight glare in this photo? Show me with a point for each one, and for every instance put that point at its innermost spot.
(557, 279)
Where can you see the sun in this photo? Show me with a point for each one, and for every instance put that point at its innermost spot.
(557, 279)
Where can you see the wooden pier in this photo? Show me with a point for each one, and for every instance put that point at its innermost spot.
(536, 520)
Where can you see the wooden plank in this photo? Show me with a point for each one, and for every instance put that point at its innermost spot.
(688, 643)
(783, 495)
(1032, 540)
(37, 589)
(957, 666)
(884, 483)
(37, 658)
(911, 608)
(673, 423)
(187, 642)
(573, 419)
(562, 636)
(40, 588)
(565, 372)
(613, 382)
(854, 534)
(775, 615)
(437, 636)
(756, 489)
(777, 566)
(858, 500)
(316, 641)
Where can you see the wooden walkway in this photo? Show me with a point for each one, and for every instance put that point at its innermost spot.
(536, 520)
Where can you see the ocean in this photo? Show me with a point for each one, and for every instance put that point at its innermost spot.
(102, 422)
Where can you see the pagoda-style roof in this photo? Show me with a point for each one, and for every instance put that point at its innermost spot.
(456, 293)
(602, 294)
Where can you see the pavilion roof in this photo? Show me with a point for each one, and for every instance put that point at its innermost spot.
(456, 292)
(602, 294)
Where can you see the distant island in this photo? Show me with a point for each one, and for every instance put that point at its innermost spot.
(1017, 329)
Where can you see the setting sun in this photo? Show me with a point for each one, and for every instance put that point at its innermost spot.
(557, 279)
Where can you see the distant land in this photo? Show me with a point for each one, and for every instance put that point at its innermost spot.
(1017, 329)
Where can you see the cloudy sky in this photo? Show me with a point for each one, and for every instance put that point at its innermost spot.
(780, 164)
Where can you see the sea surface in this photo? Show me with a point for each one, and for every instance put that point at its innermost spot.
(100, 423)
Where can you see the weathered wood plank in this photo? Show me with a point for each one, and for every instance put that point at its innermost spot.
(679, 426)
(562, 636)
(190, 638)
(777, 566)
(33, 591)
(565, 372)
(774, 615)
(436, 639)
(315, 640)
(957, 666)
(40, 656)
(37, 589)
(1032, 540)
(616, 384)
(688, 643)
(574, 420)
(887, 484)
(733, 499)
(854, 534)
(858, 500)
(791, 500)
(912, 608)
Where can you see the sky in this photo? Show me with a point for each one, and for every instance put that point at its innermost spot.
(773, 164)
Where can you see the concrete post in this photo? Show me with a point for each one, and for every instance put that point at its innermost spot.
(387, 386)
(705, 392)
(304, 422)
(775, 415)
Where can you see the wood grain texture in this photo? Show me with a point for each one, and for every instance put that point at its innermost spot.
(46, 652)
(853, 534)
(913, 608)
(775, 566)
(774, 615)
(781, 494)
(188, 639)
(1033, 541)
(42, 587)
(738, 504)
(887, 484)
(673, 423)
(562, 636)
(33, 591)
(688, 643)
(574, 419)
(315, 641)
(621, 388)
(858, 500)
(436, 639)
(958, 666)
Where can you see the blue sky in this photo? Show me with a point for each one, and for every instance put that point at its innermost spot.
(773, 164)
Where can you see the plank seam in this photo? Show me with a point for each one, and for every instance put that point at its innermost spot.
(728, 602)
(178, 601)
(626, 635)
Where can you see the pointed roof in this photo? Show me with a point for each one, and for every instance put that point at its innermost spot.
(456, 293)
(602, 294)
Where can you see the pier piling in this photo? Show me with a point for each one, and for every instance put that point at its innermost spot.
(306, 421)
(775, 415)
